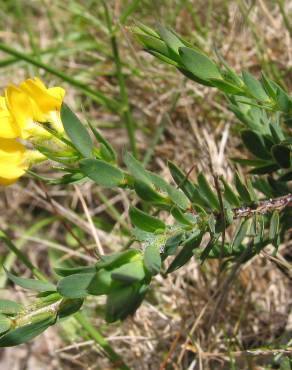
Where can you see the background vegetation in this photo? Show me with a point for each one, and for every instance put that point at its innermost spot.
(71, 43)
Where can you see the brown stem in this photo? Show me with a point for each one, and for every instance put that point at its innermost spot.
(264, 206)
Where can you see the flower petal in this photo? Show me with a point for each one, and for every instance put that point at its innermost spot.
(11, 147)
(57, 92)
(12, 159)
(6, 182)
(41, 97)
(19, 105)
(8, 128)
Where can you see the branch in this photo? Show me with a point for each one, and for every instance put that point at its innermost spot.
(264, 206)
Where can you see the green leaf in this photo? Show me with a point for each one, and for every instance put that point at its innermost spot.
(75, 286)
(225, 86)
(31, 284)
(65, 271)
(5, 324)
(100, 283)
(228, 73)
(262, 170)
(172, 244)
(129, 273)
(152, 259)
(209, 247)
(207, 192)
(250, 162)
(264, 187)
(69, 307)
(226, 251)
(185, 184)
(192, 77)
(106, 147)
(240, 234)
(117, 259)
(254, 87)
(147, 193)
(251, 190)
(255, 144)
(26, 333)
(228, 213)
(253, 229)
(212, 223)
(277, 133)
(199, 64)
(136, 169)
(176, 195)
(76, 131)
(171, 40)
(145, 29)
(282, 155)
(69, 178)
(101, 172)
(229, 194)
(144, 221)
(61, 157)
(269, 88)
(274, 226)
(283, 100)
(163, 58)
(186, 252)
(153, 43)
(242, 189)
(181, 217)
(105, 154)
(260, 229)
(124, 301)
(8, 307)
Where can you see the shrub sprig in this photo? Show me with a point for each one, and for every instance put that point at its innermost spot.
(258, 208)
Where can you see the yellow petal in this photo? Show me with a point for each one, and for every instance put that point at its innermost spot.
(6, 182)
(57, 92)
(12, 159)
(11, 171)
(40, 83)
(8, 128)
(19, 105)
(11, 147)
(2, 103)
(41, 97)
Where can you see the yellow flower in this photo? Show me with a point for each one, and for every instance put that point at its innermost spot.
(13, 161)
(30, 104)
(8, 128)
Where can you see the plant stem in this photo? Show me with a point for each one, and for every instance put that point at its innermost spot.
(264, 206)
(160, 129)
(22, 257)
(20, 243)
(285, 16)
(126, 109)
(101, 341)
(93, 94)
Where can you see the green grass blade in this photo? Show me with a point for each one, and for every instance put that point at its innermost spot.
(93, 94)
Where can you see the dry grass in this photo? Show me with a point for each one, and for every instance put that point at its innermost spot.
(176, 327)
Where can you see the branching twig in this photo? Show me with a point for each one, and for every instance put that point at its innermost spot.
(264, 206)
